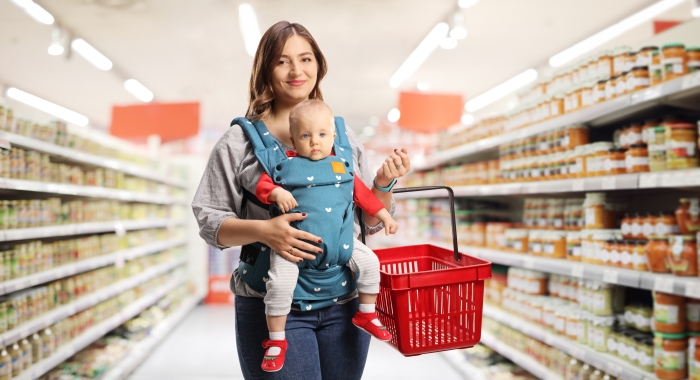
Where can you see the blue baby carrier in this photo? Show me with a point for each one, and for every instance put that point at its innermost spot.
(324, 190)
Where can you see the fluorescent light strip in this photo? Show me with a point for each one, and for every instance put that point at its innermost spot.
(608, 34)
(91, 54)
(249, 28)
(394, 115)
(48, 107)
(420, 54)
(501, 90)
(138, 90)
(35, 11)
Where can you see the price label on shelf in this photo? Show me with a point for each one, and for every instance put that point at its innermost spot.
(578, 185)
(691, 80)
(692, 289)
(610, 276)
(528, 264)
(4, 142)
(663, 284)
(648, 180)
(119, 229)
(580, 353)
(609, 183)
(577, 271)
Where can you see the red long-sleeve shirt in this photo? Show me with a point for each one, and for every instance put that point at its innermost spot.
(362, 196)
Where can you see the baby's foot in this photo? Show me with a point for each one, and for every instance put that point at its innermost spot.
(274, 355)
(371, 324)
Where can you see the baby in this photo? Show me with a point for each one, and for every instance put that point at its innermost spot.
(312, 128)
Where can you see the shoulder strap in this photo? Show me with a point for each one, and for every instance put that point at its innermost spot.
(266, 148)
(341, 137)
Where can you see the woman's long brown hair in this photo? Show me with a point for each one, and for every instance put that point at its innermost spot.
(261, 97)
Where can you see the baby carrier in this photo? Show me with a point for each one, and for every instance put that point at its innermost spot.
(324, 190)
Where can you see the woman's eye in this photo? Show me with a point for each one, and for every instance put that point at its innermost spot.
(281, 63)
(306, 60)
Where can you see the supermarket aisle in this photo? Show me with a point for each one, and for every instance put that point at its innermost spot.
(203, 348)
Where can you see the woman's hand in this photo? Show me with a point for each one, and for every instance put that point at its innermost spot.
(395, 166)
(288, 241)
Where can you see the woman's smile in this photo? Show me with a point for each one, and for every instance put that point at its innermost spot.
(296, 83)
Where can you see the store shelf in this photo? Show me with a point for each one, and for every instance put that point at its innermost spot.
(603, 113)
(685, 286)
(606, 362)
(85, 228)
(457, 360)
(144, 348)
(668, 179)
(85, 302)
(87, 265)
(523, 360)
(86, 191)
(87, 158)
(92, 334)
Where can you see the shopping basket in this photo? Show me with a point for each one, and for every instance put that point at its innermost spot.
(431, 299)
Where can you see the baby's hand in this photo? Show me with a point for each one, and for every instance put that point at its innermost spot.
(390, 226)
(284, 199)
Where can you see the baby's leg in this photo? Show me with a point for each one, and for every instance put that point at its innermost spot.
(366, 263)
(280, 286)
(282, 278)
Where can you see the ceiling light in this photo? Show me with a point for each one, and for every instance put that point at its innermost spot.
(611, 32)
(501, 90)
(458, 33)
(457, 30)
(467, 3)
(448, 43)
(467, 119)
(423, 86)
(35, 10)
(394, 115)
(56, 47)
(91, 54)
(48, 107)
(420, 54)
(696, 8)
(138, 90)
(249, 28)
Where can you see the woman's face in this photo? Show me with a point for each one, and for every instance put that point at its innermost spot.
(294, 75)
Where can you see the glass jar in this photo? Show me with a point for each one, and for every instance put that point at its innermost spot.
(669, 313)
(673, 60)
(656, 251)
(656, 69)
(657, 149)
(694, 356)
(599, 90)
(621, 84)
(648, 128)
(681, 146)
(637, 159)
(556, 106)
(665, 224)
(670, 352)
(644, 55)
(620, 59)
(637, 79)
(573, 246)
(693, 54)
(516, 240)
(554, 244)
(626, 249)
(683, 255)
(693, 315)
(614, 162)
(599, 332)
(639, 257)
(605, 64)
(611, 87)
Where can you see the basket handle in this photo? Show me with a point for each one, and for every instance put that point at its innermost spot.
(450, 193)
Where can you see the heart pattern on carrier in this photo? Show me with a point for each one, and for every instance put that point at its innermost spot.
(310, 178)
(328, 209)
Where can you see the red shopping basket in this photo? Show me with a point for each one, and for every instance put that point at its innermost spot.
(431, 299)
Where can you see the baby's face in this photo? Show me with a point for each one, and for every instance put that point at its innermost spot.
(313, 135)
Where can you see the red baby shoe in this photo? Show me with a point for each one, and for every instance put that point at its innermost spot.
(274, 363)
(365, 322)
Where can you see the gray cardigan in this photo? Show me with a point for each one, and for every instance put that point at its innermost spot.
(232, 167)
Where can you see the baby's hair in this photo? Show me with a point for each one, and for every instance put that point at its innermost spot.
(309, 105)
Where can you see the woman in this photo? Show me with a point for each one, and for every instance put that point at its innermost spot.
(324, 344)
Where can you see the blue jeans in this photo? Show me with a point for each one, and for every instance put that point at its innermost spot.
(323, 344)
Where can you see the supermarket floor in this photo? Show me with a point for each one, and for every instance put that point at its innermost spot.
(203, 347)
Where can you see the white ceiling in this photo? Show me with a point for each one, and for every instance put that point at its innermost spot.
(192, 50)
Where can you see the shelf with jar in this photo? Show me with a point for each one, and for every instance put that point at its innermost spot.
(629, 333)
(594, 91)
(55, 140)
(28, 311)
(39, 218)
(29, 264)
(60, 341)
(590, 237)
(645, 154)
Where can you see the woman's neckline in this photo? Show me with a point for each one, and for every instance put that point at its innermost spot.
(284, 146)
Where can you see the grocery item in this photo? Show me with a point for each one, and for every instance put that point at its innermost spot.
(681, 146)
(5, 364)
(670, 352)
(683, 255)
(673, 60)
(656, 251)
(669, 313)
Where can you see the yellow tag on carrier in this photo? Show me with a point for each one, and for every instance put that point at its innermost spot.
(338, 167)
